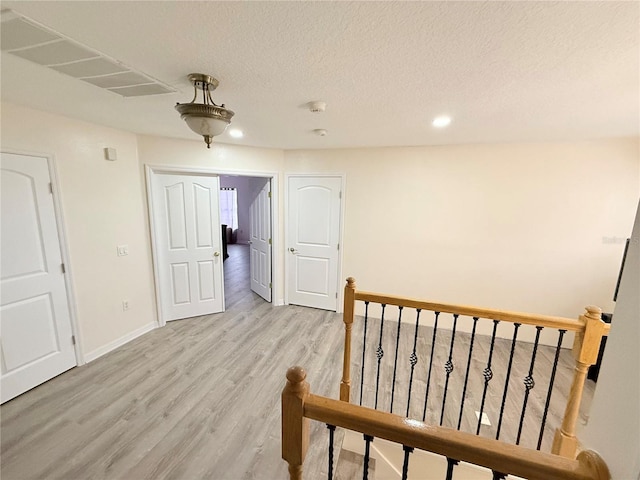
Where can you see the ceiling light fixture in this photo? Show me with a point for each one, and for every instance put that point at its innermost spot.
(236, 133)
(207, 118)
(441, 121)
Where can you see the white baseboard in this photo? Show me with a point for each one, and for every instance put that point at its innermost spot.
(118, 342)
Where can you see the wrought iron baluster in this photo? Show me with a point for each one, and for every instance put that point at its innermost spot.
(550, 391)
(364, 348)
(529, 383)
(487, 373)
(433, 349)
(448, 367)
(516, 326)
(498, 475)
(332, 429)
(466, 375)
(367, 447)
(451, 463)
(413, 359)
(395, 361)
(379, 354)
(405, 465)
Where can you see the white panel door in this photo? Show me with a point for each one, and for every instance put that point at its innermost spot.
(188, 244)
(260, 243)
(313, 235)
(35, 327)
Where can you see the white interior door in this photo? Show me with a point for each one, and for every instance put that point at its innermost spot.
(188, 245)
(313, 235)
(260, 243)
(35, 327)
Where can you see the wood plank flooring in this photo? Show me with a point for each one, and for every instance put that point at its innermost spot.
(199, 398)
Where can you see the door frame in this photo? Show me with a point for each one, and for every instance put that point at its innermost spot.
(343, 183)
(151, 170)
(63, 243)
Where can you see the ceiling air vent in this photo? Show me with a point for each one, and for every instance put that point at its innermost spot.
(28, 39)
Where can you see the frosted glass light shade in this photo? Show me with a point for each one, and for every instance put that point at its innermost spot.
(206, 126)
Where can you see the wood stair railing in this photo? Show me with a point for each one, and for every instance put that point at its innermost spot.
(589, 330)
(299, 406)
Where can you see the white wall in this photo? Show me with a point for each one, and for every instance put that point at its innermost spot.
(516, 226)
(614, 424)
(102, 207)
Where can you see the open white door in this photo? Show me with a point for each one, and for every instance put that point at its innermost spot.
(36, 340)
(187, 238)
(313, 227)
(260, 242)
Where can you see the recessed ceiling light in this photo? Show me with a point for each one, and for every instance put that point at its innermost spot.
(235, 133)
(441, 121)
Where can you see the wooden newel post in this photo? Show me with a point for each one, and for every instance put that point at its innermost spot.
(585, 351)
(295, 427)
(348, 312)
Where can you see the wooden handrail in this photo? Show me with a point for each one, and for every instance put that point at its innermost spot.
(466, 447)
(589, 329)
(471, 311)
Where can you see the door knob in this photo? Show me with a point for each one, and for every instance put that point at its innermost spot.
(216, 254)
(292, 250)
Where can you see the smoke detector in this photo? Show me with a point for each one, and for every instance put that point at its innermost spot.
(317, 107)
(321, 132)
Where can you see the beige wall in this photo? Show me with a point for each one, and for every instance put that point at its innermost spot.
(517, 226)
(102, 207)
(524, 226)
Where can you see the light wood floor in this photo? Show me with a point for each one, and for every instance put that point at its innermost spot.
(199, 398)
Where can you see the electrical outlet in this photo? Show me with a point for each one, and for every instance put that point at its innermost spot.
(125, 305)
(123, 250)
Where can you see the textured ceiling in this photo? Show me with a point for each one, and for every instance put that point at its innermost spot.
(505, 71)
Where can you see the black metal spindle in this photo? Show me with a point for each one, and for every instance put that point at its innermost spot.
(487, 373)
(498, 475)
(379, 354)
(413, 359)
(405, 465)
(529, 383)
(367, 447)
(451, 463)
(332, 429)
(516, 326)
(466, 375)
(395, 361)
(448, 367)
(364, 348)
(433, 349)
(550, 390)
